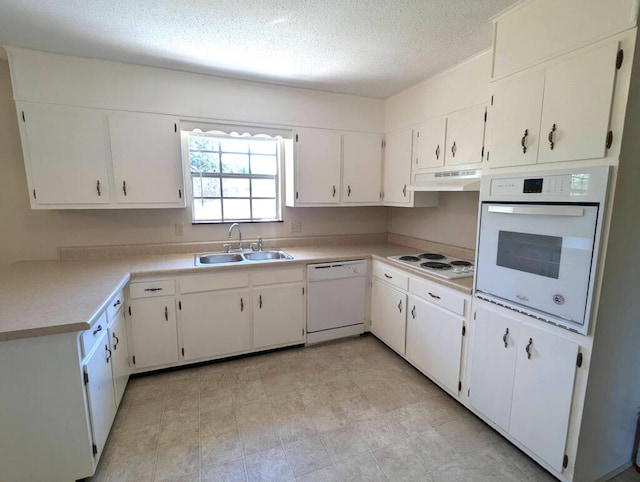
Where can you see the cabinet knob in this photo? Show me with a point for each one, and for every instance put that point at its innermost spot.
(551, 137)
(349, 190)
(166, 313)
(334, 191)
(523, 141)
(124, 187)
(241, 304)
(98, 187)
(400, 306)
(434, 296)
(504, 337)
(404, 191)
(97, 330)
(528, 348)
(438, 152)
(413, 312)
(260, 301)
(454, 149)
(108, 352)
(117, 340)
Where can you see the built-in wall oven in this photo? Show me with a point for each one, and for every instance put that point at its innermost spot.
(538, 242)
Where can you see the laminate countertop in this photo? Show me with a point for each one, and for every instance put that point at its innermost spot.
(40, 298)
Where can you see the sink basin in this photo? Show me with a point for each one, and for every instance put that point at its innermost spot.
(219, 258)
(266, 255)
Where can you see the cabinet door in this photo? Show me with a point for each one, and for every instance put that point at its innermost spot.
(147, 166)
(362, 167)
(577, 101)
(428, 144)
(120, 355)
(434, 342)
(153, 328)
(317, 166)
(514, 120)
(397, 168)
(215, 323)
(542, 393)
(278, 316)
(493, 361)
(465, 137)
(65, 150)
(99, 384)
(388, 315)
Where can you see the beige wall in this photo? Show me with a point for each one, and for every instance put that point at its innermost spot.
(27, 234)
(453, 222)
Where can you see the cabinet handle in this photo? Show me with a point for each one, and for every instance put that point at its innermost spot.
(117, 340)
(413, 312)
(400, 306)
(153, 289)
(504, 337)
(166, 313)
(438, 152)
(106, 347)
(124, 187)
(434, 296)
(260, 301)
(98, 186)
(116, 303)
(349, 190)
(454, 149)
(528, 348)
(551, 137)
(97, 330)
(524, 140)
(404, 191)
(388, 276)
(241, 304)
(334, 191)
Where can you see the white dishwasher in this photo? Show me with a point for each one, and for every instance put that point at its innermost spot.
(336, 300)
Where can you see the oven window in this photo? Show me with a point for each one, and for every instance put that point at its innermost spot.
(531, 253)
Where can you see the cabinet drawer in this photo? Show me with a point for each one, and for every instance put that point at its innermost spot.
(114, 306)
(439, 295)
(391, 275)
(276, 276)
(91, 336)
(215, 281)
(149, 289)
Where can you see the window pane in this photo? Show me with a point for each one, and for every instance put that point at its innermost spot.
(264, 209)
(204, 161)
(207, 210)
(235, 163)
(263, 147)
(234, 145)
(201, 143)
(235, 187)
(263, 188)
(197, 187)
(210, 187)
(264, 165)
(237, 209)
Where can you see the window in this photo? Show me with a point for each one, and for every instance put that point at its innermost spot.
(234, 177)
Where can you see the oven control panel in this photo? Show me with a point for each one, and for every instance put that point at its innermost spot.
(554, 185)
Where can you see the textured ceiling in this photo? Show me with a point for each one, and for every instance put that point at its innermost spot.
(373, 48)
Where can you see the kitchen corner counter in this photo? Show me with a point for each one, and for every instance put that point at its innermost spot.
(41, 298)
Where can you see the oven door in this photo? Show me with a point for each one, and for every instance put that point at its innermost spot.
(538, 256)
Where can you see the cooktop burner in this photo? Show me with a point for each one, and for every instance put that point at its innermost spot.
(437, 264)
(431, 256)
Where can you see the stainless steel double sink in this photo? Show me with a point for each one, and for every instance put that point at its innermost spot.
(207, 259)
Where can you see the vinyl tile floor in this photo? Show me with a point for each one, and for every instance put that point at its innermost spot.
(349, 410)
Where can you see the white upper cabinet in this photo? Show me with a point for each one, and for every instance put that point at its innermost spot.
(429, 144)
(145, 150)
(361, 168)
(560, 113)
(397, 168)
(317, 166)
(465, 137)
(65, 155)
(82, 158)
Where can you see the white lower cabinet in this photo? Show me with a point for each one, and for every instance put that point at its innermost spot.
(119, 355)
(278, 315)
(388, 314)
(434, 342)
(215, 323)
(522, 379)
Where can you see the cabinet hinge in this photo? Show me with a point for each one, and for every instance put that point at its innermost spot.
(459, 386)
(609, 140)
(565, 461)
(129, 310)
(384, 143)
(418, 134)
(491, 100)
(23, 117)
(474, 315)
(381, 195)
(482, 152)
(182, 351)
(468, 391)
(619, 59)
(303, 332)
(296, 137)
(485, 116)
(86, 376)
(134, 359)
(488, 156)
(579, 360)
(180, 307)
(296, 194)
(34, 194)
(95, 449)
(180, 193)
(464, 330)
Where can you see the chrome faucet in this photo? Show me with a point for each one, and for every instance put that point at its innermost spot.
(236, 225)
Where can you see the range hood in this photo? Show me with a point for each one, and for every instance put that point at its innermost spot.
(468, 180)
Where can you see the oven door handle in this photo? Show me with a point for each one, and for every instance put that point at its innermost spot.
(538, 210)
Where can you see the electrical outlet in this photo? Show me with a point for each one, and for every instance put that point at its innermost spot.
(296, 226)
(179, 229)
